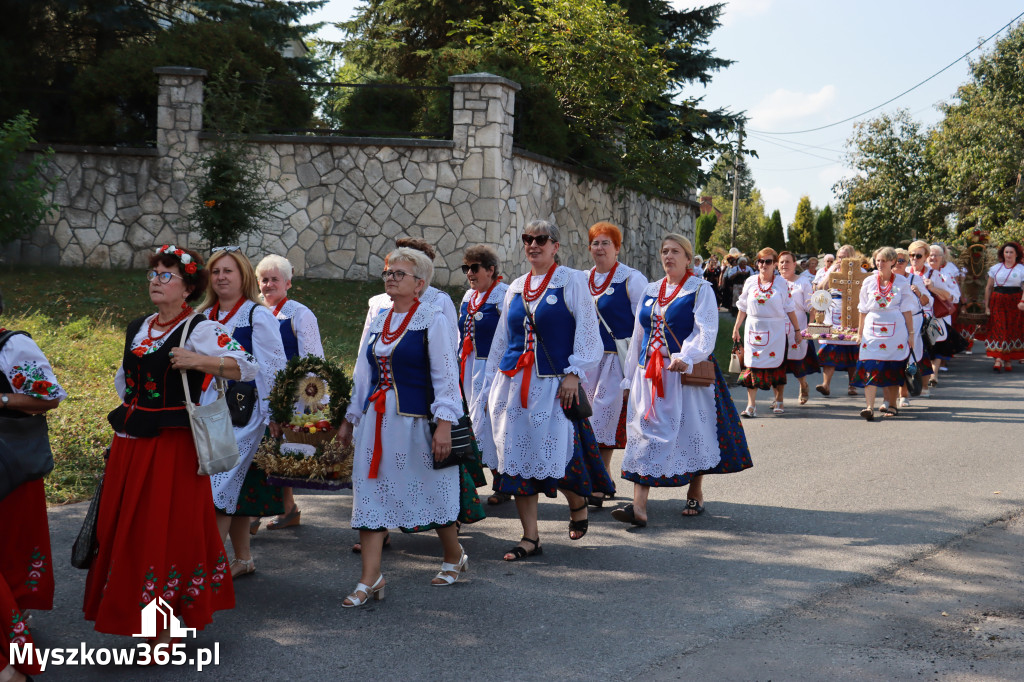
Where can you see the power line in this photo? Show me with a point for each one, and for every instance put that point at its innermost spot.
(802, 144)
(793, 170)
(800, 151)
(907, 91)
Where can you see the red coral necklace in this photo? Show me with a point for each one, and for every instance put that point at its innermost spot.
(665, 300)
(597, 291)
(885, 289)
(476, 302)
(389, 337)
(215, 311)
(150, 339)
(531, 295)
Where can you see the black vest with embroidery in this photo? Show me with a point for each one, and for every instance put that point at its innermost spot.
(154, 398)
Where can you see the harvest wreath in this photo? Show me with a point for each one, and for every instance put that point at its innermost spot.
(310, 457)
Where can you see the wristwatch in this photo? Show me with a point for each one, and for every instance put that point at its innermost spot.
(4, 398)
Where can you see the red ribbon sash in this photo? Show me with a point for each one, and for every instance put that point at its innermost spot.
(379, 400)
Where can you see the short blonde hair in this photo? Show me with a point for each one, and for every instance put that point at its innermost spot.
(250, 288)
(919, 244)
(275, 262)
(886, 253)
(682, 241)
(422, 266)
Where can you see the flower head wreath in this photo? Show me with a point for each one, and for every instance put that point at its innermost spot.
(187, 263)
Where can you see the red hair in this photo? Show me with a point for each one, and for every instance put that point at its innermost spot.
(605, 229)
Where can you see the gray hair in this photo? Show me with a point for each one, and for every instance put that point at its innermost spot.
(422, 266)
(275, 262)
(544, 227)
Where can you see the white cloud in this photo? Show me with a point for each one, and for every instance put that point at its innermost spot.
(785, 105)
(777, 197)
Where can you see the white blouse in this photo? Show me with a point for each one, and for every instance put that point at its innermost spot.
(1007, 277)
(28, 370)
(305, 326)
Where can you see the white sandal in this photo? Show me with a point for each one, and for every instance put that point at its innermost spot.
(376, 591)
(749, 412)
(243, 566)
(903, 402)
(779, 408)
(447, 571)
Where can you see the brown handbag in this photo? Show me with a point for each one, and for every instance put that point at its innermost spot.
(702, 374)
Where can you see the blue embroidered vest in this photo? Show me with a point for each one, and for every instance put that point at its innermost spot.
(617, 313)
(409, 368)
(288, 338)
(483, 329)
(243, 335)
(557, 327)
(678, 318)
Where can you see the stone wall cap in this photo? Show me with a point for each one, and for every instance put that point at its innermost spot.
(339, 140)
(484, 78)
(179, 71)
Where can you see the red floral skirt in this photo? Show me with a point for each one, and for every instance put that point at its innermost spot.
(25, 560)
(13, 629)
(620, 431)
(763, 377)
(1005, 337)
(157, 537)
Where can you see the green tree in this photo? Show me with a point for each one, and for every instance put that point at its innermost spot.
(802, 236)
(892, 192)
(704, 229)
(979, 146)
(720, 180)
(751, 225)
(23, 184)
(774, 235)
(825, 229)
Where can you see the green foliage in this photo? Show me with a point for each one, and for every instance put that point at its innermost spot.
(704, 229)
(824, 228)
(774, 236)
(802, 236)
(751, 225)
(720, 179)
(891, 194)
(229, 199)
(23, 185)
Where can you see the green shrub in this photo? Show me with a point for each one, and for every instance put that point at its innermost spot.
(23, 185)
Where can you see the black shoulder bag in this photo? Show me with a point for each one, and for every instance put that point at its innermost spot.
(25, 453)
(241, 395)
(580, 409)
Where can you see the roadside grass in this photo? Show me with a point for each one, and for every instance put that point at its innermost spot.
(78, 316)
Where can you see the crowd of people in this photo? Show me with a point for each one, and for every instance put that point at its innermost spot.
(556, 370)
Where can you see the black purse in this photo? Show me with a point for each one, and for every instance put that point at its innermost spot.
(25, 453)
(242, 396)
(462, 443)
(912, 376)
(86, 544)
(581, 409)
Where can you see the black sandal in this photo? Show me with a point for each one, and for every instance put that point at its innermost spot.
(580, 527)
(889, 411)
(694, 505)
(628, 515)
(518, 552)
(358, 547)
(595, 502)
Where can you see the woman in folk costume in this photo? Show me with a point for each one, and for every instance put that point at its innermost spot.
(479, 316)
(836, 354)
(676, 433)
(919, 300)
(1003, 293)
(300, 336)
(945, 289)
(801, 360)
(28, 387)
(232, 300)
(886, 327)
(406, 374)
(156, 526)
(765, 306)
(533, 375)
(617, 290)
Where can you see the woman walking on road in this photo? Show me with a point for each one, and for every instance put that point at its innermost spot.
(1003, 296)
(801, 360)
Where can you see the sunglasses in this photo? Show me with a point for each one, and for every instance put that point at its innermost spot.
(765, 261)
(229, 249)
(918, 256)
(397, 275)
(474, 268)
(541, 239)
(901, 261)
(163, 277)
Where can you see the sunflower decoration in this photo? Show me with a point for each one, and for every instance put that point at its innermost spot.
(310, 392)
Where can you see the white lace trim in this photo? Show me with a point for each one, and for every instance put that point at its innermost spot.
(421, 319)
(622, 273)
(691, 285)
(496, 297)
(558, 280)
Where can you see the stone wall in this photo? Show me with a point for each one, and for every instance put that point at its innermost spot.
(344, 200)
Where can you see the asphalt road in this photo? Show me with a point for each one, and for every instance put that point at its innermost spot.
(833, 558)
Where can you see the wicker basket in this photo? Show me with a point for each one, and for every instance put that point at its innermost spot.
(321, 437)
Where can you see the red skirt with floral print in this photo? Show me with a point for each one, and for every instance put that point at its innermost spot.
(157, 536)
(1005, 339)
(26, 563)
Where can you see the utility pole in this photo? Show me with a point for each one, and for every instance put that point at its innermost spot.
(736, 189)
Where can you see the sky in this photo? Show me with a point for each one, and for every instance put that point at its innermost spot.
(802, 64)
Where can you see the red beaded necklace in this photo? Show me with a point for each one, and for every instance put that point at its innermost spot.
(597, 291)
(765, 290)
(389, 337)
(280, 305)
(531, 295)
(1009, 271)
(215, 311)
(473, 305)
(885, 289)
(665, 300)
(150, 339)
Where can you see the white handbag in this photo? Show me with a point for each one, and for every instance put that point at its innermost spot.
(212, 431)
(621, 345)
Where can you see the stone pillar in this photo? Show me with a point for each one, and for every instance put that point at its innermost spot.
(483, 120)
(179, 115)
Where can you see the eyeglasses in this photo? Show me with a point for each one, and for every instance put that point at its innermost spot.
(606, 243)
(474, 268)
(901, 261)
(397, 275)
(164, 277)
(541, 239)
(229, 249)
(918, 256)
(765, 261)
